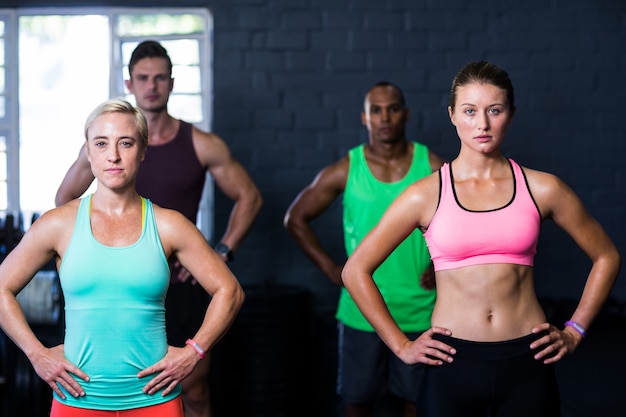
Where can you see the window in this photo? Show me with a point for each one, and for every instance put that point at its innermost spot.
(70, 60)
(9, 196)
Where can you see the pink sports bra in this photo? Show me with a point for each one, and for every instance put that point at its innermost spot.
(458, 237)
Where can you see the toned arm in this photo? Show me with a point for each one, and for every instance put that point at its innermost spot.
(412, 209)
(47, 237)
(181, 239)
(312, 201)
(558, 202)
(39, 244)
(233, 180)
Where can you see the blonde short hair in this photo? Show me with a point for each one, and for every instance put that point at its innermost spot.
(118, 105)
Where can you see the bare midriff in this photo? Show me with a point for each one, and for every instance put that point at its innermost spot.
(487, 303)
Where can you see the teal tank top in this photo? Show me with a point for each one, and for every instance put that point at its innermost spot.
(115, 314)
(365, 200)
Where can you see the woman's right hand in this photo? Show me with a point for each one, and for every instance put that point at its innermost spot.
(52, 366)
(427, 350)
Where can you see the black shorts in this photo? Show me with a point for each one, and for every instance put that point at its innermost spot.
(368, 368)
(185, 308)
(497, 379)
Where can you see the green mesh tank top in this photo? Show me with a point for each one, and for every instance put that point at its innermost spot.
(364, 202)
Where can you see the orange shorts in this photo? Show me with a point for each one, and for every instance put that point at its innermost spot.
(173, 408)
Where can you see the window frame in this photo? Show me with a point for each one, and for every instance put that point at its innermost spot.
(9, 126)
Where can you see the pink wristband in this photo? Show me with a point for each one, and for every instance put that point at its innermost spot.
(577, 326)
(196, 347)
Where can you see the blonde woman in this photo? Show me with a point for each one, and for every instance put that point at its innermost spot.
(113, 250)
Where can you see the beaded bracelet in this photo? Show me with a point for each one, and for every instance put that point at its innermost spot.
(577, 326)
(196, 347)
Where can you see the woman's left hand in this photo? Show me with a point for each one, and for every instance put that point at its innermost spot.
(553, 346)
(172, 369)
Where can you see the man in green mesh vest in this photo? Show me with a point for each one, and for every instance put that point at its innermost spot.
(370, 177)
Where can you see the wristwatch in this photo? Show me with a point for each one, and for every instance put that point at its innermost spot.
(225, 251)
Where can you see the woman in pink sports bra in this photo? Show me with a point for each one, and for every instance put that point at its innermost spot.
(490, 351)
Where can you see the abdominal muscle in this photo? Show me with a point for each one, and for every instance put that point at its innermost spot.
(487, 303)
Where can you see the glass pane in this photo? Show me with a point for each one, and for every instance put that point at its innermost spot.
(3, 166)
(2, 80)
(64, 74)
(187, 79)
(3, 107)
(183, 52)
(127, 50)
(186, 107)
(1, 27)
(3, 144)
(3, 195)
(160, 24)
(2, 52)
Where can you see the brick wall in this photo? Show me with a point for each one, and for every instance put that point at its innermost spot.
(290, 78)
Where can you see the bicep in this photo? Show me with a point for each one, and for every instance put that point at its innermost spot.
(311, 202)
(315, 198)
(565, 208)
(35, 249)
(182, 240)
(229, 175)
(232, 178)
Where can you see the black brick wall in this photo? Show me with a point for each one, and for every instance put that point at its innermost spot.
(290, 77)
